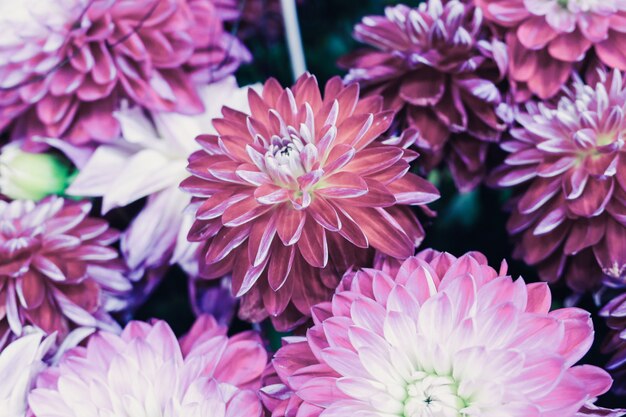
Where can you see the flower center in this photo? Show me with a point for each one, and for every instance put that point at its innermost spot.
(283, 154)
(432, 395)
(606, 138)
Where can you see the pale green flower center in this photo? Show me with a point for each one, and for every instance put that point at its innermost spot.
(432, 395)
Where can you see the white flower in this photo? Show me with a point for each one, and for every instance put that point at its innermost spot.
(150, 161)
(20, 363)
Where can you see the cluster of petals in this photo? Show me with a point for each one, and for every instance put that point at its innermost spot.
(437, 336)
(57, 268)
(297, 191)
(65, 65)
(147, 372)
(547, 39)
(567, 160)
(439, 64)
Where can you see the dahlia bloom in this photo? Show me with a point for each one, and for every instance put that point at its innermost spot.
(20, 364)
(439, 64)
(568, 160)
(57, 269)
(150, 161)
(295, 192)
(547, 38)
(65, 65)
(443, 337)
(146, 372)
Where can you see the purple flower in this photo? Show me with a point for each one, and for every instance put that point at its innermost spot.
(547, 39)
(438, 64)
(57, 268)
(568, 162)
(65, 65)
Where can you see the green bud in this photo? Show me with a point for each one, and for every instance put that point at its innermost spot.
(32, 176)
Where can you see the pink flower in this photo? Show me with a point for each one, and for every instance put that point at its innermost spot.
(548, 38)
(439, 64)
(294, 193)
(567, 160)
(57, 270)
(64, 66)
(443, 337)
(145, 372)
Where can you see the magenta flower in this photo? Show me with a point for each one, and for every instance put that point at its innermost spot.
(439, 64)
(443, 337)
(64, 66)
(568, 160)
(57, 270)
(548, 38)
(145, 372)
(294, 193)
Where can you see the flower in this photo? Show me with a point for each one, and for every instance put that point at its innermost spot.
(65, 65)
(548, 38)
(30, 176)
(566, 158)
(446, 337)
(295, 192)
(57, 270)
(146, 372)
(149, 161)
(439, 64)
(20, 364)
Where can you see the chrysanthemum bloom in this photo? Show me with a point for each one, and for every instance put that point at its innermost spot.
(568, 160)
(443, 337)
(294, 193)
(439, 64)
(547, 38)
(57, 270)
(145, 372)
(65, 65)
(20, 364)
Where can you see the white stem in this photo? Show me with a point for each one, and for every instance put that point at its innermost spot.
(294, 40)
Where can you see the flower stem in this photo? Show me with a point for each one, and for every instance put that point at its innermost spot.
(294, 40)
